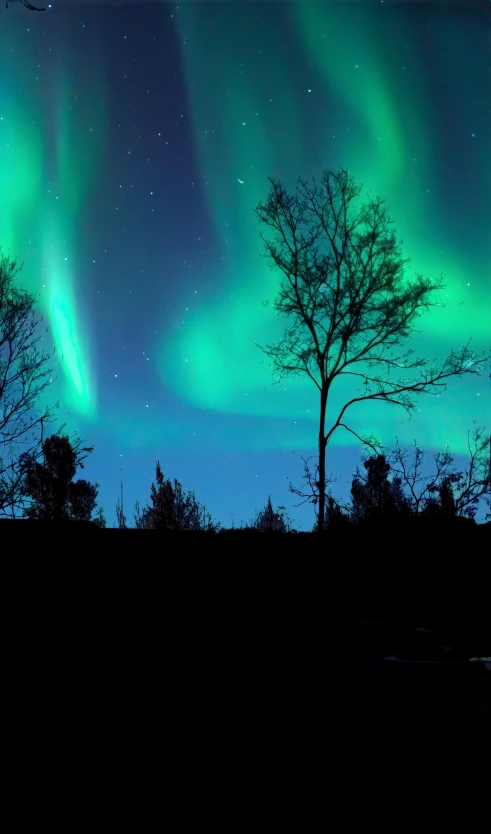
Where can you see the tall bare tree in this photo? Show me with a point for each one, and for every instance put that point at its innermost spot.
(24, 375)
(344, 286)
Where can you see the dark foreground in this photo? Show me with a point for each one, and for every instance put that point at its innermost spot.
(400, 665)
(363, 624)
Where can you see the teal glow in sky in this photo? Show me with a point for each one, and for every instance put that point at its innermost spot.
(134, 147)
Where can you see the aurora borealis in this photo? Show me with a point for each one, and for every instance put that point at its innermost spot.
(135, 142)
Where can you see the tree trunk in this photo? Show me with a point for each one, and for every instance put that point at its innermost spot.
(322, 462)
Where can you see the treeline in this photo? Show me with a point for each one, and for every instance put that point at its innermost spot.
(388, 488)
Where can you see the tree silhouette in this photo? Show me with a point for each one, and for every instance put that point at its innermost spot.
(312, 494)
(120, 511)
(267, 520)
(141, 517)
(24, 375)
(171, 508)
(350, 303)
(447, 491)
(101, 520)
(54, 495)
(442, 505)
(374, 497)
(335, 520)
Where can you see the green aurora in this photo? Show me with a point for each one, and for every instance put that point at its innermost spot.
(354, 112)
(325, 87)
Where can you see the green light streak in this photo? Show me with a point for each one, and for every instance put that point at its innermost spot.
(42, 200)
(392, 146)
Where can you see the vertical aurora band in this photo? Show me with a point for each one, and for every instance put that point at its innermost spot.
(43, 136)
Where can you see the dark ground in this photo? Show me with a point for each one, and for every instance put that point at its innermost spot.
(410, 664)
(185, 622)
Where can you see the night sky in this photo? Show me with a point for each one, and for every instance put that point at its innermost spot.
(135, 141)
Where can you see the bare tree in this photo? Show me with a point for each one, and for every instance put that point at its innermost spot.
(24, 375)
(461, 490)
(312, 481)
(350, 303)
